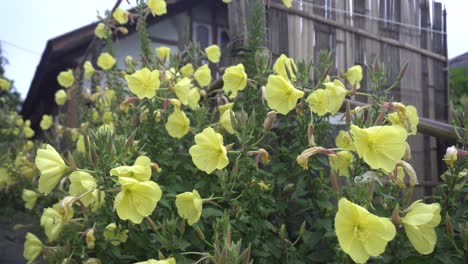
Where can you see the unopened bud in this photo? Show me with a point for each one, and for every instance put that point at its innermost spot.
(311, 136)
(90, 239)
(449, 225)
(93, 261)
(409, 170)
(302, 229)
(289, 187)
(407, 155)
(155, 167)
(396, 215)
(282, 232)
(229, 146)
(175, 103)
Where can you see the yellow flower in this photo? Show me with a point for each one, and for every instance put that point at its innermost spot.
(380, 146)
(32, 247)
(318, 101)
(340, 162)
(101, 31)
(52, 222)
(406, 117)
(360, 233)
(337, 93)
(419, 224)
(27, 130)
(287, 3)
(153, 261)
(344, 140)
(187, 70)
(141, 170)
(106, 61)
(111, 235)
(354, 76)
(285, 67)
(158, 7)
(182, 89)
(61, 97)
(137, 199)
(88, 70)
(82, 182)
(90, 239)
(25, 167)
(235, 79)
(5, 178)
(223, 108)
(80, 145)
(46, 122)
(143, 83)
(209, 153)
(178, 125)
(164, 53)
(189, 206)
(51, 167)
(450, 156)
(213, 53)
(225, 121)
(121, 16)
(203, 75)
(29, 197)
(4, 84)
(281, 95)
(65, 78)
(193, 98)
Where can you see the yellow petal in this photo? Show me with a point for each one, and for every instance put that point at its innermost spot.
(178, 124)
(106, 61)
(213, 53)
(189, 206)
(281, 95)
(143, 83)
(234, 79)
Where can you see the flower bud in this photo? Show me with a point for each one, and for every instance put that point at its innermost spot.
(449, 225)
(93, 261)
(396, 215)
(282, 233)
(311, 136)
(268, 123)
(450, 156)
(155, 167)
(90, 239)
(407, 155)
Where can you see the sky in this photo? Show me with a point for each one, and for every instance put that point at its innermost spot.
(27, 25)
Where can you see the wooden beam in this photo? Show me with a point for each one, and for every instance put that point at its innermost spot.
(360, 32)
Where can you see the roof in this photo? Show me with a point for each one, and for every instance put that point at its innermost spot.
(61, 53)
(459, 61)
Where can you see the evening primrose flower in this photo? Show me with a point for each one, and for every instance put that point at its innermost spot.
(27, 130)
(354, 76)
(189, 206)
(153, 261)
(451, 156)
(30, 198)
(337, 93)
(380, 146)
(120, 16)
(319, 102)
(235, 79)
(193, 98)
(285, 67)
(340, 162)
(213, 53)
(88, 70)
(32, 247)
(5, 178)
(111, 235)
(137, 199)
(360, 233)
(4, 84)
(419, 224)
(106, 61)
(406, 117)
(141, 170)
(344, 140)
(143, 83)
(182, 89)
(61, 97)
(51, 167)
(203, 75)
(287, 3)
(52, 221)
(24, 167)
(163, 53)
(178, 124)
(209, 153)
(187, 70)
(281, 95)
(66, 79)
(90, 239)
(157, 7)
(82, 182)
(101, 31)
(46, 122)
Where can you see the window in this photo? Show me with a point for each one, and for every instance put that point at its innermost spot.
(202, 34)
(223, 37)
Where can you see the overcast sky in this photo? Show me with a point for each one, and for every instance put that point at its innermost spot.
(26, 25)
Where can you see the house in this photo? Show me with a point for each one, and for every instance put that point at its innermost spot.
(355, 32)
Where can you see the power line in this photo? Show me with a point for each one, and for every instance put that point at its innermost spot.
(21, 48)
(302, 2)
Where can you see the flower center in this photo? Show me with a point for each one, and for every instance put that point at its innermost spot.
(360, 233)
